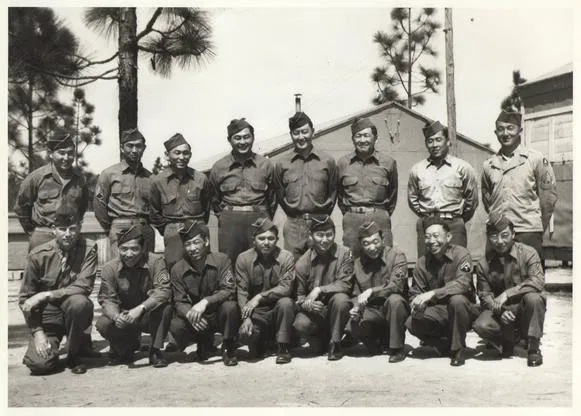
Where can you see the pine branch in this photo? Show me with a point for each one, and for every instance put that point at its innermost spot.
(149, 27)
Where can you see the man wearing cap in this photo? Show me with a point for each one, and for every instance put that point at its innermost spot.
(122, 193)
(510, 281)
(243, 190)
(520, 183)
(381, 291)
(306, 184)
(264, 278)
(442, 293)
(443, 186)
(49, 186)
(54, 295)
(323, 281)
(367, 186)
(203, 295)
(178, 193)
(134, 295)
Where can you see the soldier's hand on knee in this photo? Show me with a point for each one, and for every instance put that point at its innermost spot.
(307, 305)
(363, 298)
(42, 345)
(501, 299)
(121, 321)
(318, 306)
(35, 301)
(507, 317)
(246, 328)
(194, 315)
(201, 325)
(314, 294)
(250, 306)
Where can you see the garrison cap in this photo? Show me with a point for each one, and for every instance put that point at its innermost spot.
(192, 229)
(237, 125)
(130, 135)
(367, 229)
(432, 128)
(435, 220)
(298, 120)
(263, 225)
(174, 141)
(66, 215)
(60, 140)
(361, 124)
(509, 117)
(322, 223)
(497, 222)
(128, 234)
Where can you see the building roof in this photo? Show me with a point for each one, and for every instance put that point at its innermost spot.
(564, 69)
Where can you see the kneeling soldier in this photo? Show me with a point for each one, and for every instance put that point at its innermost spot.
(134, 294)
(58, 279)
(381, 306)
(203, 294)
(264, 278)
(442, 293)
(510, 281)
(323, 278)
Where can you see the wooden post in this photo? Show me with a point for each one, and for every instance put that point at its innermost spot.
(450, 95)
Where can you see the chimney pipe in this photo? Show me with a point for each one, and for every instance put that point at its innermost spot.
(298, 103)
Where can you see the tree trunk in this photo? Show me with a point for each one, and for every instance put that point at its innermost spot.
(450, 93)
(127, 69)
(409, 58)
(30, 126)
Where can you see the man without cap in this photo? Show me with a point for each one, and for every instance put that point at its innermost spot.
(442, 293)
(264, 279)
(243, 190)
(54, 295)
(323, 284)
(203, 296)
(306, 184)
(122, 193)
(520, 183)
(178, 193)
(443, 186)
(367, 186)
(510, 281)
(381, 304)
(134, 295)
(49, 186)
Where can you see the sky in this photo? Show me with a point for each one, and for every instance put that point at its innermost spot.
(265, 55)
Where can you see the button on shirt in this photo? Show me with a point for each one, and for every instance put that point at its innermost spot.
(369, 183)
(332, 272)
(306, 185)
(523, 187)
(517, 273)
(215, 283)
(385, 275)
(123, 287)
(239, 183)
(173, 198)
(450, 188)
(271, 278)
(43, 191)
(121, 193)
(450, 275)
(45, 272)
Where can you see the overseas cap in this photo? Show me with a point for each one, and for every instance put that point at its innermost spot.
(60, 140)
(263, 225)
(435, 220)
(368, 229)
(510, 117)
(298, 120)
(192, 229)
(361, 124)
(432, 128)
(174, 141)
(128, 234)
(322, 223)
(237, 125)
(130, 135)
(497, 222)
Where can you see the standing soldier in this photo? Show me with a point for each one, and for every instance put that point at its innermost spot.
(134, 295)
(443, 186)
(264, 279)
(203, 295)
(510, 282)
(54, 295)
(381, 288)
(323, 279)
(306, 184)
(46, 188)
(122, 193)
(442, 293)
(520, 183)
(178, 193)
(367, 186)
(243, 190)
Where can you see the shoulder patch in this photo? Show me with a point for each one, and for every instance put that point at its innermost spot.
(163, 277)
(465, 267)
(545, 161)
(229, 278)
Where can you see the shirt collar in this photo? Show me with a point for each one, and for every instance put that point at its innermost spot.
(446, 161)
(143, 265)
(353, 156)
(170, 173)
(210, 261)
(250, 160)
(446, 257)
(312, 153)
(255, 259)
(331, 253)
(125, 166)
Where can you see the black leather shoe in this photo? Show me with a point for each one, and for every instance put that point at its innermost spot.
(229, 358)
(348, 341)
(75, 366)
(283, 355)
(535, 358)
(156, 358)
(397, 356)
(458, 358)
(171, 347)
(334, 352)
(372, 345)
(204, 351)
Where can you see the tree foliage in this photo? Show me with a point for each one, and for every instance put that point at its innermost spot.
(403, 78)
(513, 102)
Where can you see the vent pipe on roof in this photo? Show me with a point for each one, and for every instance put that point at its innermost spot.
(298, 103)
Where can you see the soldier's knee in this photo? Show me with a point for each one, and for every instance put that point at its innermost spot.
(533, 299)
(230, 308)
(396, 300)
(458, 302)
(79, 304)
(303, 325)
(41, 366)
(103, 325)
(340, 300)
(285, 303)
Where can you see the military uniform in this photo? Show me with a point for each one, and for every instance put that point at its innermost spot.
(332, 272)
(70, 276)
(122, 289)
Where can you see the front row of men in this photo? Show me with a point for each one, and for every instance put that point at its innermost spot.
(327, 298)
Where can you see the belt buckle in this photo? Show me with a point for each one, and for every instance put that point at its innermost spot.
(306, 216)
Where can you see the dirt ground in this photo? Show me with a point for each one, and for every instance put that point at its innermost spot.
(421, 380)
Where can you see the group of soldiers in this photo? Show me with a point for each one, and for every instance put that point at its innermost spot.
(313, 290)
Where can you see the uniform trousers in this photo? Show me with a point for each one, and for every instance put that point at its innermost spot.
(277, 319)
(124, 341)
(71, 316)
(451, 319)
(384, 321)
(119, 224)
(457, 229)
(327, 324)
(530, 317)
(297, 234)
(353, 220)
(226, 320)
(235, 231)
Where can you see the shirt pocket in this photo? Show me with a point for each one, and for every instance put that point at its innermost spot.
(229, 186)
(120, 188)
(349, 181)
(291, 186)
(48, 199)
(193, 193)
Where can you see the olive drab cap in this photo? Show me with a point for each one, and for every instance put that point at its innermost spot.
(263, 225)
(237, 125)
(361, 124)
(368, 229)
(129, 234)
(497, 222)
(130, 135)
(322, 223)
(299, 120)
(192, 229)
(510, 117)
(174, 141)
(432, 128)
(60, 140)
(434, 220)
